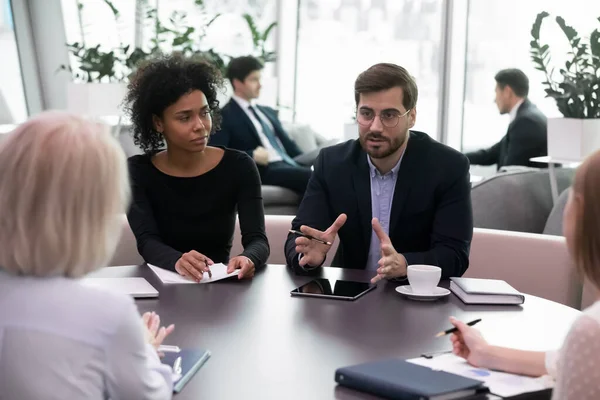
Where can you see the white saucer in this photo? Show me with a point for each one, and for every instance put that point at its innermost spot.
(438, 292)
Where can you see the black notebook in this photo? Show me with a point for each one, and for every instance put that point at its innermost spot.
(191, 361)
(485, 291)
(399, 379)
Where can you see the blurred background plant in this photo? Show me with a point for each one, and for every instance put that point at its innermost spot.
(91, 63)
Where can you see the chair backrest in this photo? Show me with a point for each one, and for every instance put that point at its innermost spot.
(517, 201)
(126, 253)
(531, 263)
(554, 222)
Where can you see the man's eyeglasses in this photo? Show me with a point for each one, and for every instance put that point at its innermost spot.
(389, 118)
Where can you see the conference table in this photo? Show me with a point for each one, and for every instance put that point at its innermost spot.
(267, 344)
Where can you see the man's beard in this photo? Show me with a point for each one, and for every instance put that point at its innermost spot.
(392, 144)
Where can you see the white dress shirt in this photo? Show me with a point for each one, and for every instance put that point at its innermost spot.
(62, 340)
(266, 143)
(513, 112)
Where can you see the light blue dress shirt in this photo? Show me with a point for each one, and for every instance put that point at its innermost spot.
(382, 194)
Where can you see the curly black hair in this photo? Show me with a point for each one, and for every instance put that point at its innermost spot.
(160, 83)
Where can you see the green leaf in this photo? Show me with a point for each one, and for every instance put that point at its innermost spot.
(112, 8)
(213, 19)
(569, 32)
(266, 33)
(253, 29)
(535, 29)
(595, 43)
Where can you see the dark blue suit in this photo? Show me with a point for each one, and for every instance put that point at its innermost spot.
(238, 132)
(431, 219)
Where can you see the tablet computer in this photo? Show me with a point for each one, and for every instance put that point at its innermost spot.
(334, 289)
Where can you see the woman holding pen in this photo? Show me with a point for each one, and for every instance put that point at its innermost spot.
(575, 365)
(186, 193)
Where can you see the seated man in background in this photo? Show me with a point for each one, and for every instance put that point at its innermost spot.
(526, 136)
(258, 131)
(396, 197)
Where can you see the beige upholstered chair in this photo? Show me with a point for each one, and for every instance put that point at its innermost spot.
(532, 263)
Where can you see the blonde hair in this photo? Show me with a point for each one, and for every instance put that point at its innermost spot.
(586, 238)
(63, 186)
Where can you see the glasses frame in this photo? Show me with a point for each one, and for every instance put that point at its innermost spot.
(382, 123)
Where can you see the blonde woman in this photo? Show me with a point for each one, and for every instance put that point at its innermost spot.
(63, 185)
(575, 365)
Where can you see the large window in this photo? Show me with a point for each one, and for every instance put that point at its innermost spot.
(338, 39)
(498, 38)
(113, 24)
(13, 108)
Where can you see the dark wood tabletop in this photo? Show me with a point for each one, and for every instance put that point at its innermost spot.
(267, 344)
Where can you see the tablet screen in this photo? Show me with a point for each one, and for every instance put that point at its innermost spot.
(333, 288)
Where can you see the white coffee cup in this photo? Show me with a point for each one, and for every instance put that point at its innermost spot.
(423, 279)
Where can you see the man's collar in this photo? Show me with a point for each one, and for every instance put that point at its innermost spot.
(513, 112)
(243, 103)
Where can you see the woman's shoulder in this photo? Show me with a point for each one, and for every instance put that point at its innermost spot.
(593, 311)
(236, 158)
(139, 161)
(586, 329)
(94, 308)
(140, 166)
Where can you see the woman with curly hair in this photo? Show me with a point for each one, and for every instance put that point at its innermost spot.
(185, 197)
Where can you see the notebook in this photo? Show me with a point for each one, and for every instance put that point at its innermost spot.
(191, 361)
(219, 272)
(139, 288)
(485, 291)
(503, 384)
(399, 379)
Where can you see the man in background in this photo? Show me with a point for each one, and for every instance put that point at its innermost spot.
(257, 130)
(526, 136)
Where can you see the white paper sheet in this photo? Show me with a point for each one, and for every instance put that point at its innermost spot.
(499, 383)
(219, 271)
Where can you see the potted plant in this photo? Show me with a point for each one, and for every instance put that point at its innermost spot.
(100, 76)
(576, 90)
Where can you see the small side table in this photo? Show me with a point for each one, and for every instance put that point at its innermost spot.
(552, 162)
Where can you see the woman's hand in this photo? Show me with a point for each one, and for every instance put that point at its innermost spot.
(469, 344)
(193, 265)
(244, 264)
(154, 334)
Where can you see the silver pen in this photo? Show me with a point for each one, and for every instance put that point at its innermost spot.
(165, 348)
(177, 366)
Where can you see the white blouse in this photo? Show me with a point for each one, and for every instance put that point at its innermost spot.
(574, 365)
(61, 340)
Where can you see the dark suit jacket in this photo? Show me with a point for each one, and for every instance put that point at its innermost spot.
(431, 220)
(526, 138)
(238, 132)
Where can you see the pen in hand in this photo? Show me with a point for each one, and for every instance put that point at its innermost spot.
(455, 329)
(309, 237)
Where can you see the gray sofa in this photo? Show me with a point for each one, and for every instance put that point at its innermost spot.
(517, 201)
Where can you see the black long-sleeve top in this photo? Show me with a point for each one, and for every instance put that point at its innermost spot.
(172, 215)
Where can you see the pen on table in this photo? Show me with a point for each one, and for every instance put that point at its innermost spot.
(309, 237)
(455, 329)
(165, 348)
